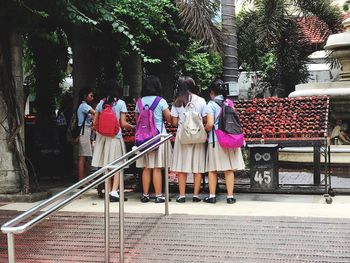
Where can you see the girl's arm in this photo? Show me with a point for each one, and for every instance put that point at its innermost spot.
(205, 119)
(210, 122)
(174, 121)
(92, 111)
(166, 115)
(95, 121)
(123, 123)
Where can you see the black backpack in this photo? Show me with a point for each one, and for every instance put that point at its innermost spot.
(74, 131)
(228, 119)
(229, 132)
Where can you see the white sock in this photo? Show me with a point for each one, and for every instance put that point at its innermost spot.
(211, 196)
(196, 196)
(114, 193)
(182, 196)
(146, 195)
(229, 196)
(160, 196)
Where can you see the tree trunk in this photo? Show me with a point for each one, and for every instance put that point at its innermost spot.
(84, 61)
(230, 64)
(132, 71)
(47, 79)
(13, 171)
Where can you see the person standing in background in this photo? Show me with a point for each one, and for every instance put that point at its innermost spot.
(85, 114)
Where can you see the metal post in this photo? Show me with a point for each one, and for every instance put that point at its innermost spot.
(325, 166)
(317, 163)
(11, 247)
(166, 180)
(107, 221)
(121, 216)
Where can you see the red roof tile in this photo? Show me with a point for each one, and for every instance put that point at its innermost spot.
(315, 30)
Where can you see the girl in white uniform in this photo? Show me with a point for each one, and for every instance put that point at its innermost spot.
(108, 149)
(154, 161)
(220, 159)
(187, 158)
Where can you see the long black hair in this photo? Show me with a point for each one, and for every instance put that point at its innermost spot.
(185, 85)
(151, 86)
(112, 91)
(219, 88)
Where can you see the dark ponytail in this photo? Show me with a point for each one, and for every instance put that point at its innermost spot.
(112, 92)
(219, 88)
(185, 85)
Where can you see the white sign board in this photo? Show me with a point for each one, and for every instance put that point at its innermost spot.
(233, 89)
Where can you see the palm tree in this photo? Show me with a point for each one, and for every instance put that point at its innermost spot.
(272, 20)
(198, 19)
(229, 43)
(270, 40)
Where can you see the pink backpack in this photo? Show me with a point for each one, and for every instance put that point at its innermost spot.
(108, 124)
(146, 125)
(229, 132)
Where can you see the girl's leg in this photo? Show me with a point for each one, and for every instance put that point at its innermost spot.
(182, 183)
(146, 180)
(81, 167)
(157, 181)
(115, 185)
(197, 183)
(87, 168)
(212, 179)
(229, 179)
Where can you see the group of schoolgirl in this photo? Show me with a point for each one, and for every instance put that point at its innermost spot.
(196, 155)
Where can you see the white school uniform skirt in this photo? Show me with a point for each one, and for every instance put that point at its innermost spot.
(84, 144)
(107, 149)
(156, 158)
(188, 158)
(223, 159)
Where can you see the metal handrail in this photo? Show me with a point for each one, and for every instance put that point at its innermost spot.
(10, 229)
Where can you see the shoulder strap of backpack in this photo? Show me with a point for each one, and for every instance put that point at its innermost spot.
(83, 125)
(139, 104)
(213, 133)
(155, 103)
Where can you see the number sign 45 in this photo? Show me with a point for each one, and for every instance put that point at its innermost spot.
(263, 177)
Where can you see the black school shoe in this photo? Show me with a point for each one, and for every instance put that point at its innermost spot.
(144, 199)
(210, 200)
(181, 199)
(159, 199)
(116, 199)
(196, 199)
(231, 200)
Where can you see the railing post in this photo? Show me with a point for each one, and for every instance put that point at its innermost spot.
(166, 180)
(11, 247)
(107, 221)
(121, 216)
(317, 164)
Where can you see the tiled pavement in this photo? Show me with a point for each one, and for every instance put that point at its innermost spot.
(78, 237)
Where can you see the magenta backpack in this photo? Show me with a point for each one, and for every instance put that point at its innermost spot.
(146, 126)
(229, 132)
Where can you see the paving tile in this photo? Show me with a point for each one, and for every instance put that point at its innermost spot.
(78, 237)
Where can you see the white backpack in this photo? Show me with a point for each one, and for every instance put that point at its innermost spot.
(192, 130)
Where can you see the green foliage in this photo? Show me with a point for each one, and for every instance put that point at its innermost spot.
(201, 65)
